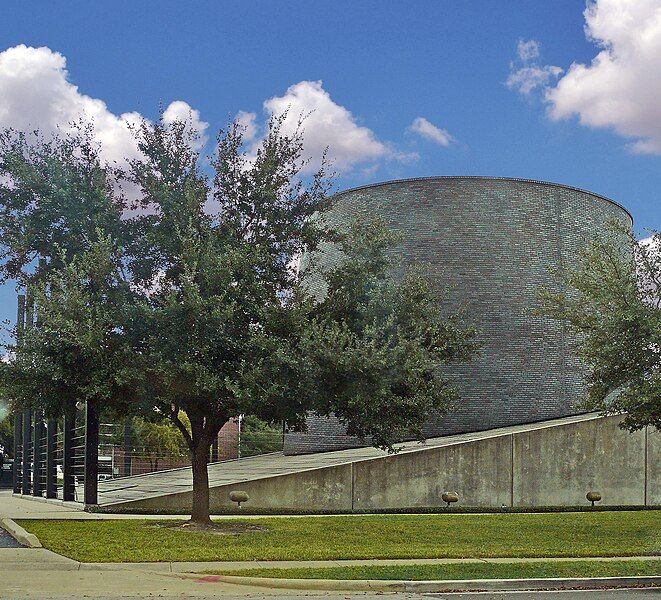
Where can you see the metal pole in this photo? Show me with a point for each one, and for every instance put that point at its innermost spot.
(128, 443)
(69, 483)
(19, 440)
(37, 454)
(29, 311)
(27, 455)
(214, 449)
(91, 453)
(51, 448)
(18, 445)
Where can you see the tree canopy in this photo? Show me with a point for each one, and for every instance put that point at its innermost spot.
(191, 302)
(612, 302)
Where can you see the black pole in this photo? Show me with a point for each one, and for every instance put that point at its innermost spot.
(69, 482)
(27, 455)
(51, 449)
(91, 453)
(128, 447)
(214, 449)
(19, 439)
(37, 454)
(18, 447)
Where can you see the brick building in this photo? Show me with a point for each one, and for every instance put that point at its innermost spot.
(489, 244)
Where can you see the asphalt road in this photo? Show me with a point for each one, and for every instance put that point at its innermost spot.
(7, 541)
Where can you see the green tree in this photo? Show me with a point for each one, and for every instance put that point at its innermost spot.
(78, 350)
(61, 233)
(258, 437)
(227, 325)
(155, 440)
(7, 434)
(193, 304)
(55, 195)
(612, 301)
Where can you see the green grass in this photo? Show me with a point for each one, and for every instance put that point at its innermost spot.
(620, 568)
(379, 536)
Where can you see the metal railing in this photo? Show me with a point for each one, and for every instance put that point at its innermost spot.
(53, 458)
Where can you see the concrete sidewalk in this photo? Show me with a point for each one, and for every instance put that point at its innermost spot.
(28, 559)
(39, 573)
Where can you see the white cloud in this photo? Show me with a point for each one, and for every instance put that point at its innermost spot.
(428, 130)
(248, 121)
(329, 125)
(181, 111)
(35, 93)
(526, 75)
(527, 79)
(621, 88)
(527, 50)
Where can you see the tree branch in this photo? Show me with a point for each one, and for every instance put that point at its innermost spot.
(174, 416)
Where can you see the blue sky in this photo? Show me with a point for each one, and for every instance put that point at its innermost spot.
(384, 66)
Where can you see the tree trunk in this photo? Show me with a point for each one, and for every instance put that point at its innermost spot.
(199, 438)
(199, 461)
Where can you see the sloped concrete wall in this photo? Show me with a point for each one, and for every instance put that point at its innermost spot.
(554, 465)
(653, 480)
(479, 472)
(557, 466)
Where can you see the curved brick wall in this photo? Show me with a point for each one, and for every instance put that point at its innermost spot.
(489, 244)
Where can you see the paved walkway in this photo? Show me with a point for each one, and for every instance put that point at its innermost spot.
(39, 573)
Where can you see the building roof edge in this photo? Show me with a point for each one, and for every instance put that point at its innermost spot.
(486, 178)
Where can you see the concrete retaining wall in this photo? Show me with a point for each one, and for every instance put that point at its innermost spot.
(554, 465)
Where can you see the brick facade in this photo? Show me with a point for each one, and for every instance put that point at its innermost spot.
(489, 244)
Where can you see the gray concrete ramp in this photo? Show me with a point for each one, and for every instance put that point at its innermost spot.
(540, 464)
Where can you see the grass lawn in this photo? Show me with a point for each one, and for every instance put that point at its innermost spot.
(621, 533)
(620, 568)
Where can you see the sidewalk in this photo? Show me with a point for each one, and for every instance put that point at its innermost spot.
(39, 573)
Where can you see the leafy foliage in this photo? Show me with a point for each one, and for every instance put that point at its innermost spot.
(192, 303)
(55, 194)
(612, 300)
(77, 350)
(7, 435)
(258, 437)
(159, 439)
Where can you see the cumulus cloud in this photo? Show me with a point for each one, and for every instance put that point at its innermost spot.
(36, 93)
(425, 129)
(181, 111)
(526, 75)
(326, 124)
(248, 121)
(621, 88)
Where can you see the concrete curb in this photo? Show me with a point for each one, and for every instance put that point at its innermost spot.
(473, 585)
(19, 534)
(200, 568)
